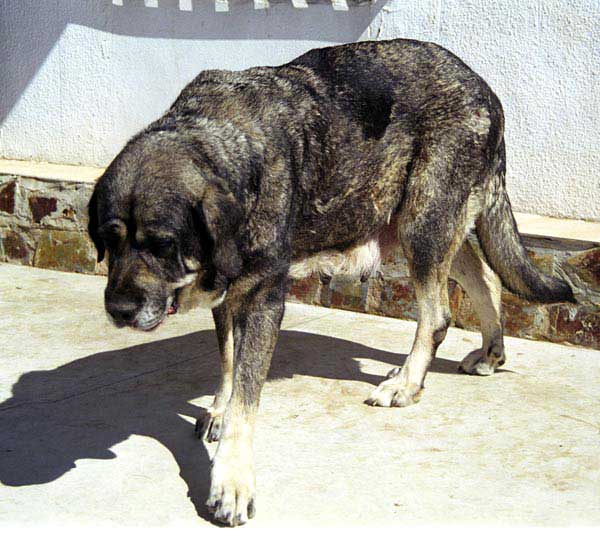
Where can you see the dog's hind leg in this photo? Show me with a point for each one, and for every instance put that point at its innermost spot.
(209, 427)
(484, 289)
(434, 219)
(404, 386)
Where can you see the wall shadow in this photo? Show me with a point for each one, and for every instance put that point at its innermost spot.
(83, 408)
(30, 29)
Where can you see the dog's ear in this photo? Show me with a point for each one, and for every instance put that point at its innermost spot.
(93, 225)
(219, 215)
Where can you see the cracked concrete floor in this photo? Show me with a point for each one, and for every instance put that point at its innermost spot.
(96, 424)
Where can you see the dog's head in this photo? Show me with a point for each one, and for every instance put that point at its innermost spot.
(168, 228)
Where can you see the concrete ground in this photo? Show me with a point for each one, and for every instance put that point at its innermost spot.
(96, 424)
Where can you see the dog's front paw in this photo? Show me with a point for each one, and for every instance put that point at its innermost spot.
(393, 392)
(232, 488)
(477, 362)
(210, 426)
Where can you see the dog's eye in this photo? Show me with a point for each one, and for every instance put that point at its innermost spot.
(161, 247)
(111, 234)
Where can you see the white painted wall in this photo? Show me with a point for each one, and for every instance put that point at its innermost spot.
(79, 77)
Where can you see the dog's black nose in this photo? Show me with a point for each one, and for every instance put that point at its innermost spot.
(122, 312)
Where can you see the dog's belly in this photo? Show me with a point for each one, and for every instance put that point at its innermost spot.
(363, 259)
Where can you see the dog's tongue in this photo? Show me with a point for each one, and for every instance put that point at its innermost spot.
(172, 308)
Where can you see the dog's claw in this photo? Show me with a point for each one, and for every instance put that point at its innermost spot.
(251, 509)
(209, 427)
(394, 372)
(231, 512)
(213, 430)
(225, 516)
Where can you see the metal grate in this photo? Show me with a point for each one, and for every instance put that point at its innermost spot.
(226, 5)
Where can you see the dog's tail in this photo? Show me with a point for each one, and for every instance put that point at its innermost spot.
(504, 249)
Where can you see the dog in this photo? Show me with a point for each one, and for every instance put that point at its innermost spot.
(321, 165)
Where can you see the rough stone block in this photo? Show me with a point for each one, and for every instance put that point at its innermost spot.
(348, 293)
(65, 250)
(463, 312)
(40, 207)
(7, 197)
(587, 266)
(523, 318)
(306, 290)
(55, 205)
(394, 263)
(576, 324)
(391, 297)
(16, 246)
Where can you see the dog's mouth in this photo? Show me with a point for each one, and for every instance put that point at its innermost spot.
(174, 305)
(174, 302)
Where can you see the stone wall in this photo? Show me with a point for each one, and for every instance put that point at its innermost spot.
(43, 223)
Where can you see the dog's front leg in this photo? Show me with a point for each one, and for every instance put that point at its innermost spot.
(209, 427)
(256, 320)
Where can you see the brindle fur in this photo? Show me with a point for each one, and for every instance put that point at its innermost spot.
(253, 175)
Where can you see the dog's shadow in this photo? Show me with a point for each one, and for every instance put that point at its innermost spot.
(82, 409)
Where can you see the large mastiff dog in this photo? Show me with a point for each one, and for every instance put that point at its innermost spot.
(320, 165)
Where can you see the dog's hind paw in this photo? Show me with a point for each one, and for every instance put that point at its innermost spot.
(391, 393)
(479, 363)
(209, 426)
